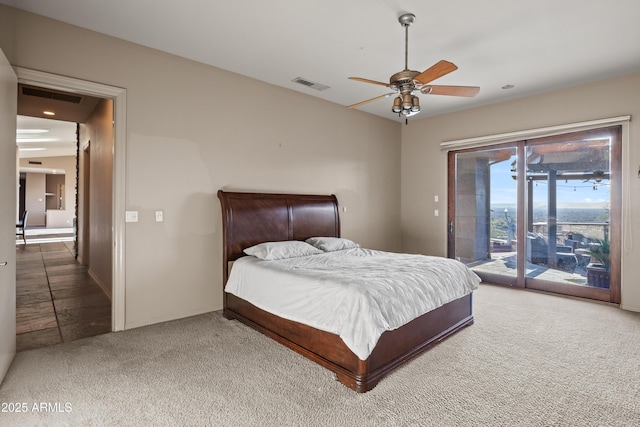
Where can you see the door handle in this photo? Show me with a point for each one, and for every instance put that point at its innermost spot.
(2, 264)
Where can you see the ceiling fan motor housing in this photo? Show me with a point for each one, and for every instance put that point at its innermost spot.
(403, 77)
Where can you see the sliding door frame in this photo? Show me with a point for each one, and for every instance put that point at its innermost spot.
(524, 210)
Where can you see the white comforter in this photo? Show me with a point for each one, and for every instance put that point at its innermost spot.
(357, 293)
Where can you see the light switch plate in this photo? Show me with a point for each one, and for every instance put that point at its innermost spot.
(131, 216)
(159, 216)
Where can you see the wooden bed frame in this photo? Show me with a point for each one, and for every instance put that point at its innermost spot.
(252, 218)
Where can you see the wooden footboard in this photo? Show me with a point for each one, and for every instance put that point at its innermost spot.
(393, 349)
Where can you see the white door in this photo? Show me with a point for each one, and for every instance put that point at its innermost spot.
(8, 196)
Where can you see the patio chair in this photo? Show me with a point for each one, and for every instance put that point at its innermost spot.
(538, 253)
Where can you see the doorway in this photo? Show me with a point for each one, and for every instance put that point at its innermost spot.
(60, 299)
(116, 210)
(541, 213)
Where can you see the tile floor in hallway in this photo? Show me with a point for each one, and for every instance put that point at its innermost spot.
(56, 299)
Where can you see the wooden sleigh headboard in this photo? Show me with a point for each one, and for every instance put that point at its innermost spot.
(252, 218)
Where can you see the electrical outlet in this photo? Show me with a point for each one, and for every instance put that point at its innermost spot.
(159, 216)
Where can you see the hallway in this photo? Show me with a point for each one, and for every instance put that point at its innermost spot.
(56, 299)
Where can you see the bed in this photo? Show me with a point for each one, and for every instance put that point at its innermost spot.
(252, 218)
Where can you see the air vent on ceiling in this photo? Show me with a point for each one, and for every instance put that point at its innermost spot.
(65, 97)
(313, 85)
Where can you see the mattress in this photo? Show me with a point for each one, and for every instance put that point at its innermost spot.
(357, 294)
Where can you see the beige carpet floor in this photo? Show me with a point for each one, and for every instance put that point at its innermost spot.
(529, 360)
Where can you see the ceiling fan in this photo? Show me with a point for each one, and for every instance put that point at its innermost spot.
(407, 81)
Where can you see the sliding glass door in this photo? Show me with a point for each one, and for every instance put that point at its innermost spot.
(543, 213)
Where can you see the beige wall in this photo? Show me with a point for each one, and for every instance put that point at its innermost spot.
(424, 165)
(66, 163)
(97, 134)
(184, 143)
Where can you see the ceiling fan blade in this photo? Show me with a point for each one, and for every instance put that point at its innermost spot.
(360, 79)
(370, 100)
(468, 91)
(436, 71)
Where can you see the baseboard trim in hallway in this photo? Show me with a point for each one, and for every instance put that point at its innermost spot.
(56, 298)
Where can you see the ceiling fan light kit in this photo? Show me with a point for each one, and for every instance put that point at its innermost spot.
(405, 82)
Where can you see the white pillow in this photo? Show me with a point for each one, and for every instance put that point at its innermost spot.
(281, 250)
(331, 244)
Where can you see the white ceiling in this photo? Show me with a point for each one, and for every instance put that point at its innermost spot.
(38, 137)
(536, 45)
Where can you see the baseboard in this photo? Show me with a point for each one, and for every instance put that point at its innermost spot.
(630, 308)
(105, 289)
(168, 318)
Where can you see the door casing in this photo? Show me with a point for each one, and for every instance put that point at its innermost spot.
(119, 97)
